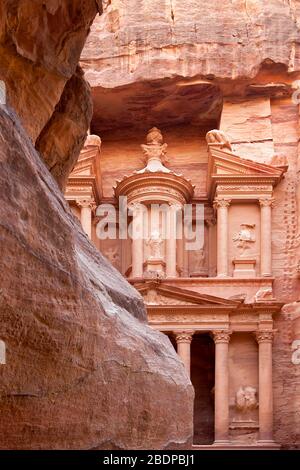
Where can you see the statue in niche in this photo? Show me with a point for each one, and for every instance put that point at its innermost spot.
(200, 268)
(112, 255)
(218, 138)
(245, 238)
(155, 245)
(155, 153)
(246, 400)
(199, 259)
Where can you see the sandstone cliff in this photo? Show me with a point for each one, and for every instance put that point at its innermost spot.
(83, 368)
(40, 46)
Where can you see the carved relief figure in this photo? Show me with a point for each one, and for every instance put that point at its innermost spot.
(199, 262)
(246, 400)
(296, 352)
(199, 259)
(217, 137)
(152, 298)
(155, 245)
(245, 238)
(112, 255)
(265, 293)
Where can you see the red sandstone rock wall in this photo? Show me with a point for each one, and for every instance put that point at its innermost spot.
(83, 370)
(138, 39)
(40, 45)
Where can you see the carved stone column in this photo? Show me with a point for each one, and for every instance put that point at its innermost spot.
(265, 342)
(221, 339)
(171, 241)
(137, 240)
(183, 341)
(86, 215)
(222, 236)
(266, 236)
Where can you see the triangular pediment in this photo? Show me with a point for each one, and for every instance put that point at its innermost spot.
(159, 293)
(226, 167)
(224, 162)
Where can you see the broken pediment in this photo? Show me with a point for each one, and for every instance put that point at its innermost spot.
(225, 167)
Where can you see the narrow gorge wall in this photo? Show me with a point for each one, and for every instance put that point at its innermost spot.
(83, 370)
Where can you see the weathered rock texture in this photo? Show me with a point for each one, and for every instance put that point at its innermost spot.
(63, 136)
(162, 55)
(83, 368)
(144, 39)
(40, 45)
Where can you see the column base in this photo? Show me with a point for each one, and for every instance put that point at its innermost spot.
(267, 442)
(221, 442)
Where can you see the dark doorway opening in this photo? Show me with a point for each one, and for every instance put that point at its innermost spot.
(203, 379)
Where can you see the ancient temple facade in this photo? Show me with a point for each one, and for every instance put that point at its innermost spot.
(201, 255)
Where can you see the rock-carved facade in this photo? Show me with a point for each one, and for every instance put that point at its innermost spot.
(217, 298)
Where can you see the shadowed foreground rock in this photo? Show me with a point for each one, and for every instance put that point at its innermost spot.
(83, 368)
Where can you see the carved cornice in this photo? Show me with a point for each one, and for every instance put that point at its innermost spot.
(82, 184)
(221, 336)
(264, 336)
(155, 187)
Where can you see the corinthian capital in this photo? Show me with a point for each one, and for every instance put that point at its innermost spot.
(221, 202)
(266, 202)
(183, 336)
(221, 336)
(264, 336)
(84, 203)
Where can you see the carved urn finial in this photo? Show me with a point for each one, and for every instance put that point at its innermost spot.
(155, 152)
(154, 137)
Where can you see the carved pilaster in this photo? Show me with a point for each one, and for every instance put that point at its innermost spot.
(265, 340)
(221, 339)
(266, 235)
(86, 207)
(222, 204)
(183, 341)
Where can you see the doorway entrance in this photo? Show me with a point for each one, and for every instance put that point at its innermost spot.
(203, 380)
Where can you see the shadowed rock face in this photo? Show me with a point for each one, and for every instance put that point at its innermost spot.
(40, 46)
(83, 368)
